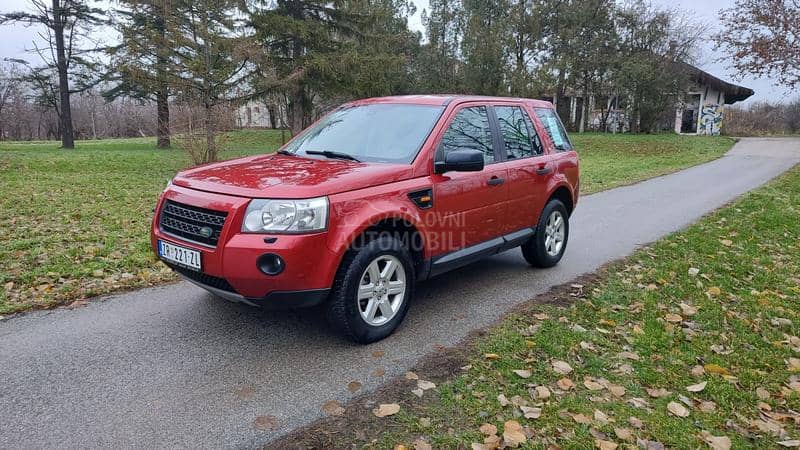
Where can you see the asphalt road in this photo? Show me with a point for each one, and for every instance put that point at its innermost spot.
(173, 367)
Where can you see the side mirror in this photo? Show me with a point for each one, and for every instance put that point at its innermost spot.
(460, 161)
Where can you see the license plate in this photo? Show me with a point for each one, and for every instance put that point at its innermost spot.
(182, 256)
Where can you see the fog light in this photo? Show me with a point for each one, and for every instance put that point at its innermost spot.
(270, 264)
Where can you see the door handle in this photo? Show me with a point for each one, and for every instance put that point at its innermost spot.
(543, 170)
(495, 181)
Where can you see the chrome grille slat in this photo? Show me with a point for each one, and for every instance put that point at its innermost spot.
(186, 221)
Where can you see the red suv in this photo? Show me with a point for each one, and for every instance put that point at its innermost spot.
(375, 196)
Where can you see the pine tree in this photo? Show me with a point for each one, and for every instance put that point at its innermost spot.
(140, 63)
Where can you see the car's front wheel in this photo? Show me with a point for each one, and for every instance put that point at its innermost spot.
(546, 247)
(372, 291)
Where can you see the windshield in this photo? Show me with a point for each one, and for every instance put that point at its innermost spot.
(383, 132)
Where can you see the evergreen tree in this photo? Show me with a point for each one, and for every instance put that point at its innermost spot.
(485, 46)
(140, 63)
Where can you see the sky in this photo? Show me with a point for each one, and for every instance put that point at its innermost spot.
(15, 39)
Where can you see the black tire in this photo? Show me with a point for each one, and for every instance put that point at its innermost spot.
(534, 250)
(343, 307)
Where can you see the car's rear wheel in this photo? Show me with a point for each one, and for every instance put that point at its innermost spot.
(546, 247)
(372, 291)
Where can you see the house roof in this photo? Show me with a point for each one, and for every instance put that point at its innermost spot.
(733, 92)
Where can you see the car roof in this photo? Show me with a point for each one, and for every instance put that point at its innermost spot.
(446, 99)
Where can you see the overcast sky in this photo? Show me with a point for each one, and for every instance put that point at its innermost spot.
(14, 39)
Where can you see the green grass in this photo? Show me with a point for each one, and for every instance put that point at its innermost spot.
(739, 334)
(609, 161)
(75, 223)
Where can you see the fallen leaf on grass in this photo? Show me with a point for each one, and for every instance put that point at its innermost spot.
(638, 402)
(386, 409)
(673, 318)
(716, 442)
(726, 242)
(418, 392)
(581, 419)
(565, 384)
(562, 367)
(523, 373)
(422, 444)
(488, 429)
(657, 393)
(513, 434)
(491, 356)
(530, 412)
(697, 387)
(791, 443)
(715, 369)
(635, 422)
(605, 445)
(629, 355)
(616, 390)
(713, 291)
(626, 434)
(542, 392)
(688, 310)
(332, 408)
(793, 364)
(693, 271)
(592, 385)
(650, 445)
(678, 410)
(601, 418)
(503, 400)
(762, 393)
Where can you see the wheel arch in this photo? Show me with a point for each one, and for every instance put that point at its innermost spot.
(564, 194)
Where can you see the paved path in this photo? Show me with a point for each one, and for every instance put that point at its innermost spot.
(171, 366)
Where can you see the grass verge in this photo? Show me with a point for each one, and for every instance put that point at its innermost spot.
(609, 161)
(691, 342)
(75, 222)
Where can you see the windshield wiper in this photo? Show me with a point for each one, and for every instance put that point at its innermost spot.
(330, 154)
(285, 152)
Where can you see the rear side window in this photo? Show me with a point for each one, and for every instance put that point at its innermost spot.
(554, 128)
(469, 130)
(519, 136)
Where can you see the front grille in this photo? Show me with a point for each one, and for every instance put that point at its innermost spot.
(190, 222)
(202, 278)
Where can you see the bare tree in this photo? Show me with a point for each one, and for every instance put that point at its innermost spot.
(66, 26)
(762, 38)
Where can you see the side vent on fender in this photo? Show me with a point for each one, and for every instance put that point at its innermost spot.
(423, 199)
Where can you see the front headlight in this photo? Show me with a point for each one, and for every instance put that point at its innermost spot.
(287, 216)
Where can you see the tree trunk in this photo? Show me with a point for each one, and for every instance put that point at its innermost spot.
(162, 95)
(67, 134)
(162, 106)
(211, 145)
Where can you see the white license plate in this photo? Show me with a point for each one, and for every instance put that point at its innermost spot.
(182, 256)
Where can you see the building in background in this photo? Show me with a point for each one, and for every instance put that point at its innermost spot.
(700, 113)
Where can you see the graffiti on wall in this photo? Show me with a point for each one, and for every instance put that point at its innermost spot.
(710, 120)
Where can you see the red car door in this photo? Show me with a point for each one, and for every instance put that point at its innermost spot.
(528, 163)
(468, 207)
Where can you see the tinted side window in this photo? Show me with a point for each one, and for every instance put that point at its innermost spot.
(519, 135)
(554, 128)
(469, 130)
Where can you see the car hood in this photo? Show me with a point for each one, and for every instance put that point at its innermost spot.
(284, 176)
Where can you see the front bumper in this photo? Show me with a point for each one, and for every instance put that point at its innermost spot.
(229, 270)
